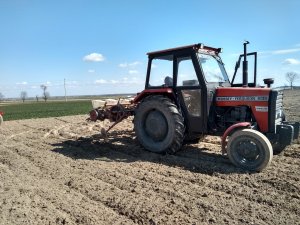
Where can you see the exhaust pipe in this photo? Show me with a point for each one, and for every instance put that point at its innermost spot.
(245, 65)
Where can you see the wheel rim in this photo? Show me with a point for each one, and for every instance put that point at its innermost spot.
(248, 150)
(156, 125)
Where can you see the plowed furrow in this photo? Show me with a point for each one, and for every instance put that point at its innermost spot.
(71, 207)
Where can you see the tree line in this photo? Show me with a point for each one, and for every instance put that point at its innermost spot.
(45, 94)
(291, 78)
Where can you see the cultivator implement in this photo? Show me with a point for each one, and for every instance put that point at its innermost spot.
(113, 110)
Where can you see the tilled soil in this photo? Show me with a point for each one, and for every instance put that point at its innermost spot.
(60, 171)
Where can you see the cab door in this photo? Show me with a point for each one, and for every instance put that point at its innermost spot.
(190, 92)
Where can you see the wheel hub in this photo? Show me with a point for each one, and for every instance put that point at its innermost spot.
(248, 150)
(156, 125)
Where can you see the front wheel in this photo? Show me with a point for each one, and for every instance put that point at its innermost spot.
(250, 149)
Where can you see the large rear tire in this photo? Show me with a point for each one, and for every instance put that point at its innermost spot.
(158, 125)
(250, 150)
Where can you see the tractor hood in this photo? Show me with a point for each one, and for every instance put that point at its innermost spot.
(255, 98)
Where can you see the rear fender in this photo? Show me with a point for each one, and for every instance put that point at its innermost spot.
(230, 130)
(161, 91)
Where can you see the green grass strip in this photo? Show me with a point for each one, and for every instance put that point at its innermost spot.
(29, 110)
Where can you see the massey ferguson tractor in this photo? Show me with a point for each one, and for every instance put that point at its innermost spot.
(188, 94)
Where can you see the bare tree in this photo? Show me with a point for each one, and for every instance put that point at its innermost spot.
(46, 94)
(23, 95)
(1, 97)
(291, 77)
(37, 98)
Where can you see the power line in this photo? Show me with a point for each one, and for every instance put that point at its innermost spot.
(65, 89)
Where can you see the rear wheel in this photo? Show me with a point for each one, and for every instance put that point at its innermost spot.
(159, 125)
(250, 149)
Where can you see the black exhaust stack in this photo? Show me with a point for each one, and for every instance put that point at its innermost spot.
(245, 66)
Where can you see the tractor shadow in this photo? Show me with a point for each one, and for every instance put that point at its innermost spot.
(122, 146)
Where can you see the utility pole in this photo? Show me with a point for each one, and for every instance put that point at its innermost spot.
(65, 89)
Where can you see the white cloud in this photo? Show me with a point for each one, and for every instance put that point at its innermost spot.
(94, 57)
(123, 81)
(281, 51)
(22, 83)
(132, 80)
(291, 61)
(72, 83)
(123, 65)
(91, 71)
(132, 65)
(286, 51)
(133, 72)
(114, 81)
(101, 81)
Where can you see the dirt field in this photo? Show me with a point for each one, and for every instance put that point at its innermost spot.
(57, 171)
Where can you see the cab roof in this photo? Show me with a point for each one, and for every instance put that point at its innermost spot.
(194, 47)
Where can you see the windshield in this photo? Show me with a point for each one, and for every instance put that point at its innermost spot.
(213, 68)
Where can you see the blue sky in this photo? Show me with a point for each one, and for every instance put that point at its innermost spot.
(100, 47)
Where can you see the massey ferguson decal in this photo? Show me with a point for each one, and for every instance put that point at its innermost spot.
(261, 108)
(243, 98)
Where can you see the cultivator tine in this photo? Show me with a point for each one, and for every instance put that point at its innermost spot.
(104, 134)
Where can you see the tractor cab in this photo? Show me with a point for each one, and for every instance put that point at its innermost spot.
(191, 65)
(191, 73)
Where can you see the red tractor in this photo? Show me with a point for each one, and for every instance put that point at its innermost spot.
(188, 94)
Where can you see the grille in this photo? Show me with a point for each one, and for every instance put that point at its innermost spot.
(279, 116)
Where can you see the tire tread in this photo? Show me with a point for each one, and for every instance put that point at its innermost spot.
(178, 136)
